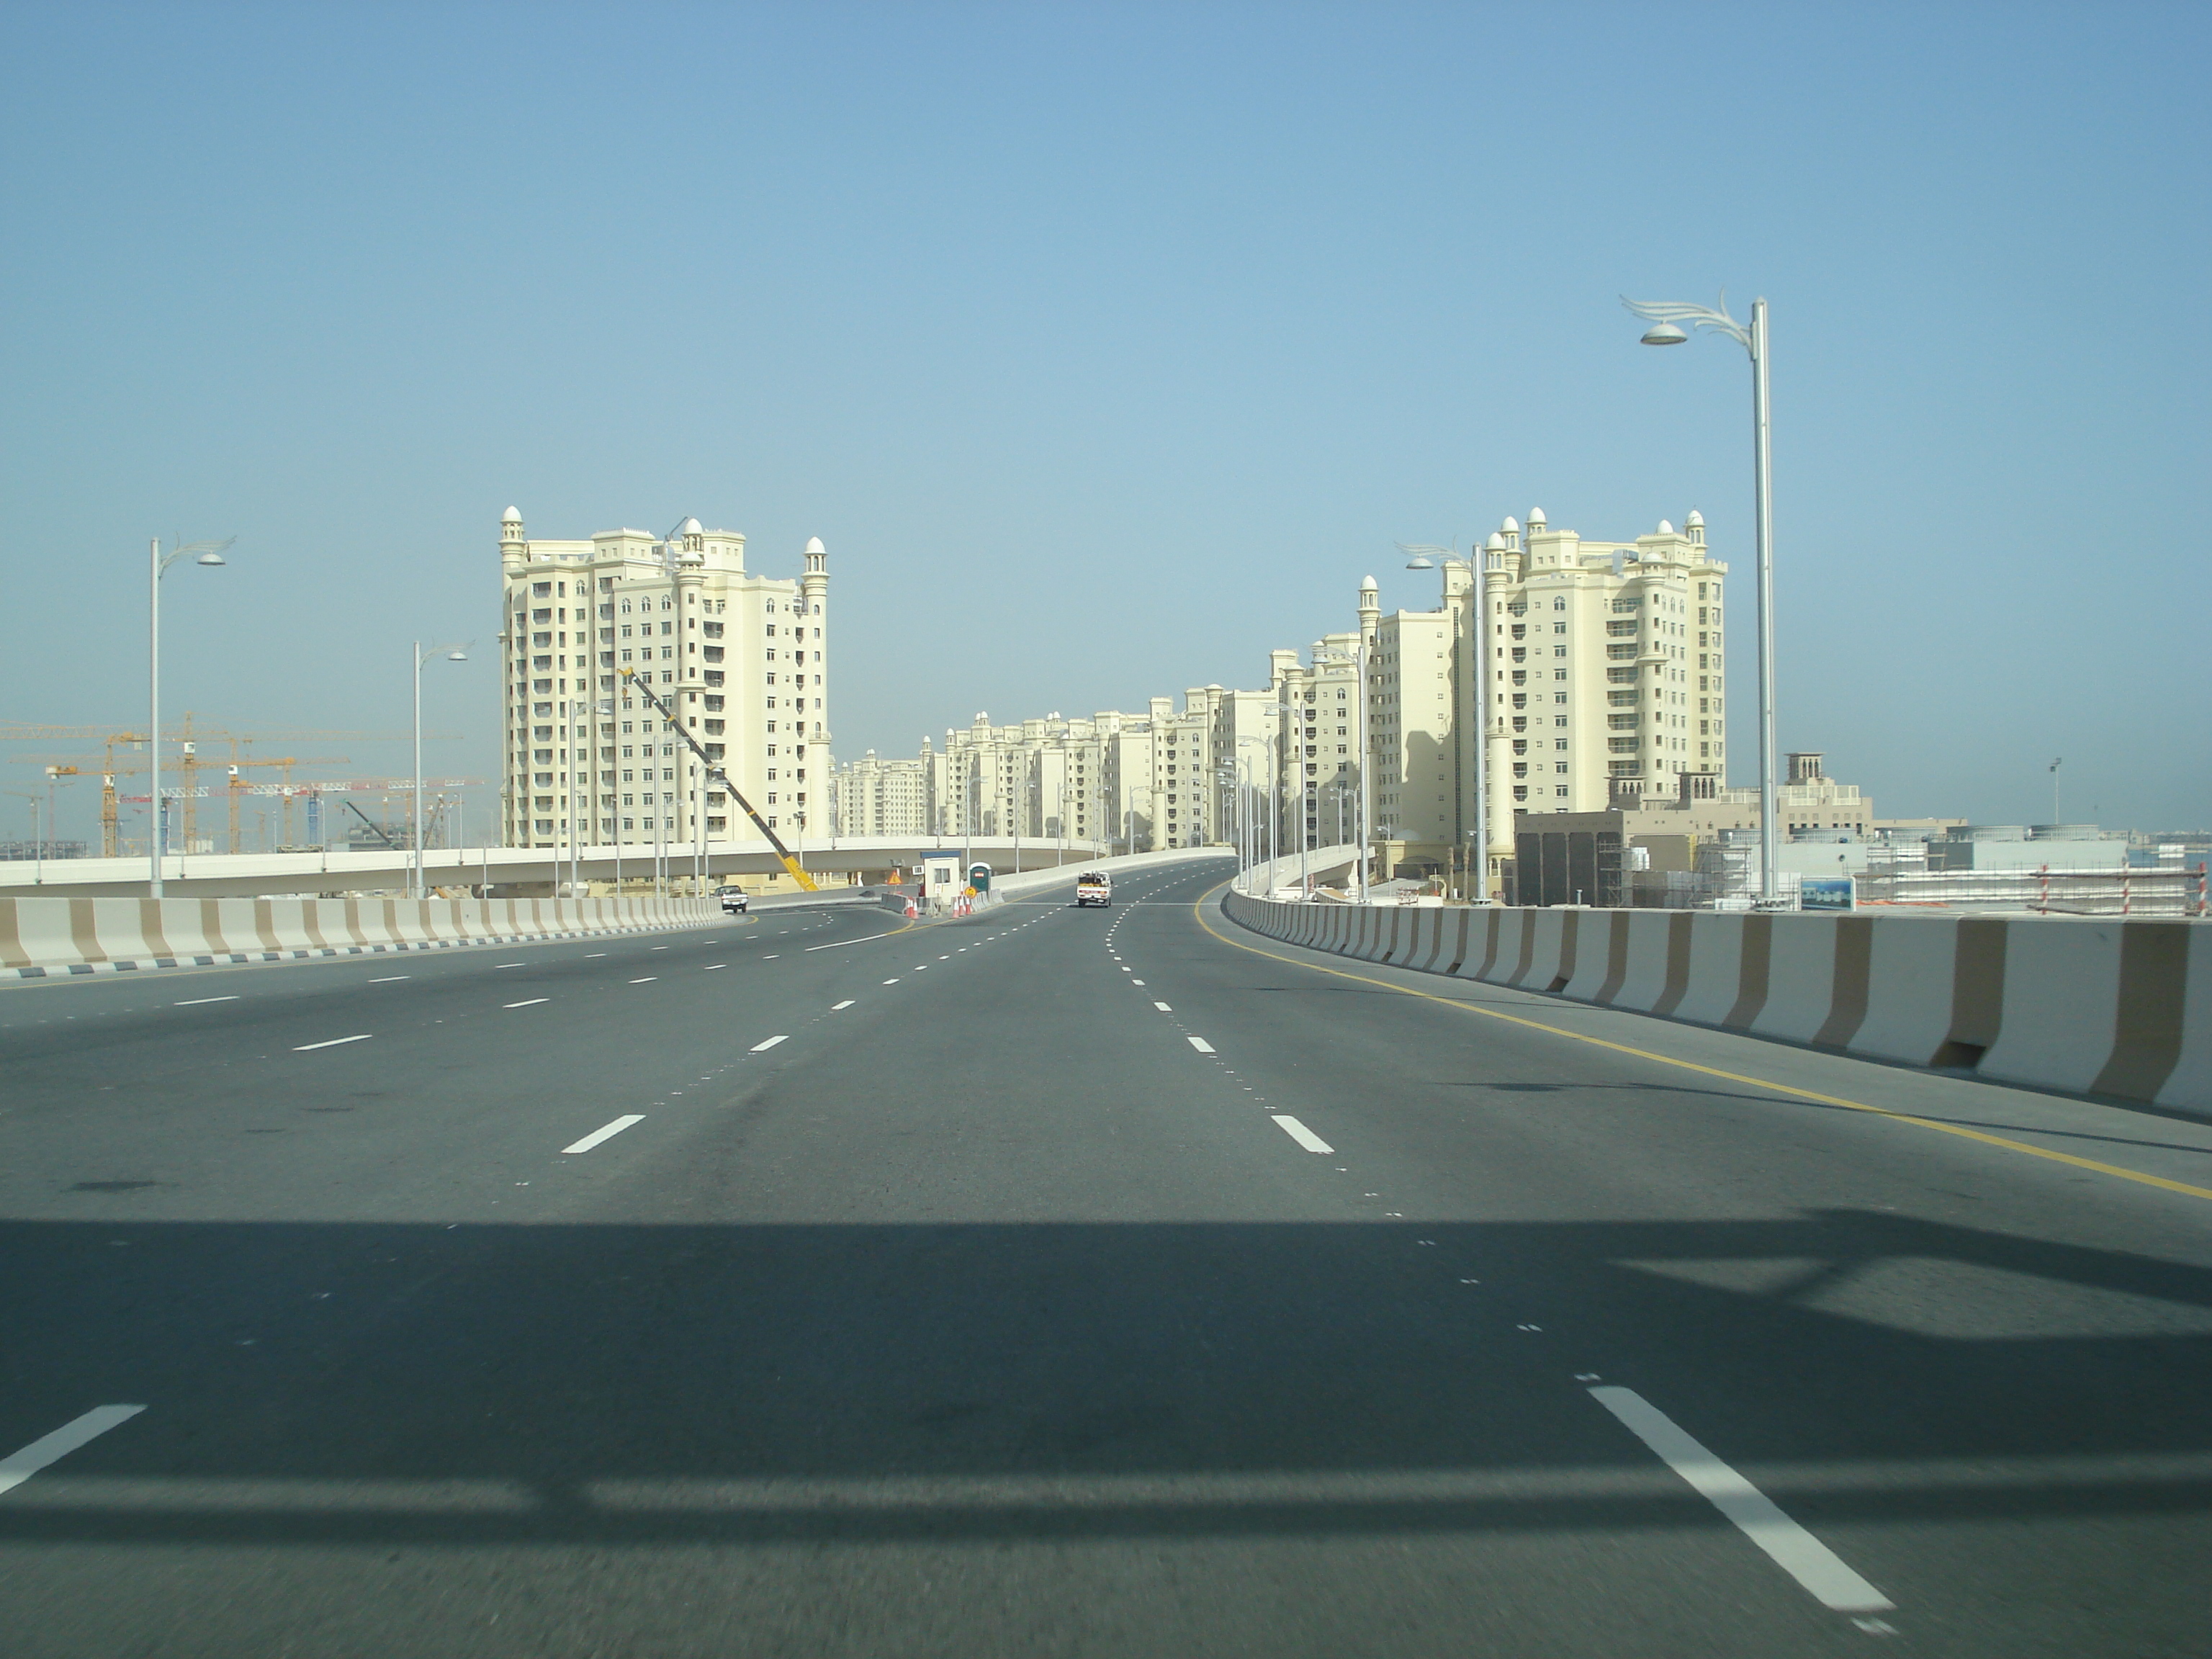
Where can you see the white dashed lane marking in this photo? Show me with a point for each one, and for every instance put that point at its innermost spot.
(1819, 1568)
(1300, 1134)
(20, 1466)
(606, 1133)
(305, 1046)
(846, 1003)
(648, 980)
(763, 1048)
(1163, 1008)
(194, 1002)
(531, 1002)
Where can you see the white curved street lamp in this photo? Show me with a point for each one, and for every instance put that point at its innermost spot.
(158, 563)
(422, 657)
(1667, 318)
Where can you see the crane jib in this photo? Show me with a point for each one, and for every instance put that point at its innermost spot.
(716, 774)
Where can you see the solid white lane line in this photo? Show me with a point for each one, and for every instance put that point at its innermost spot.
(763, 1048)
(391, 979)
(1201, 1044)
(333, 1043)
(531, 1003)
(1163, 1008)
(648, 980)
(607, 1133)
(840, 945)
(1819, 1568)
(194, 1002)
(846, 1003)
(18, 1466)
(1299, 1132)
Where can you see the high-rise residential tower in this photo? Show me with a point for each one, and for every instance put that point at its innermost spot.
(1594, 673)
(742, 659)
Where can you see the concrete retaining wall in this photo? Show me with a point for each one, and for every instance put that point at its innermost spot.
(2093, 1006)
(47, 937)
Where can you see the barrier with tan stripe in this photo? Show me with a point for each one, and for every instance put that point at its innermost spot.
(41, 938)
(2092, 1006)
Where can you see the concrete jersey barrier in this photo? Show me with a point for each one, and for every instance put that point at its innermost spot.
(2091, 1006)
(43, 938)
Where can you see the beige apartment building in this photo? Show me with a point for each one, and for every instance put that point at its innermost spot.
(1316, 731)
(876, 797)
(1594, 673)
(1605, 663)
(1145, 782)
(742, 659)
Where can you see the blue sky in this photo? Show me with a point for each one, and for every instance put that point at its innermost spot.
(1109, 346)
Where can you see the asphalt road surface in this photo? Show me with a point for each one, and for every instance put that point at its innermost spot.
(1065, 1282)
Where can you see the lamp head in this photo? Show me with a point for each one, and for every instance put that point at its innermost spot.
(457, 656)
(1419, 562)
(211, 558)
(1664, 334)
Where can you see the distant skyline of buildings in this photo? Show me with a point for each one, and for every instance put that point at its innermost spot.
(1592, 669)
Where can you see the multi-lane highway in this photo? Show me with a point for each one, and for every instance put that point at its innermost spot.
(1065, 1281)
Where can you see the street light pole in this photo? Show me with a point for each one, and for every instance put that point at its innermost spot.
(38, 844)
(210, 553)
(1666, 316)
(454, 654)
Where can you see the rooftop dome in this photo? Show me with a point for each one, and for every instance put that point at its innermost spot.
(1536, 519)
(1695, 522)
(512, 515)
(1496, 543)
(814, 544)
(1367, 585)
(690, 527)
(1511, 527)
(1665, 528)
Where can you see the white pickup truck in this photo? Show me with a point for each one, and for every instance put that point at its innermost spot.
(1094, 887)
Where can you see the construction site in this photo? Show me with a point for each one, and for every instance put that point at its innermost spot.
(224, 792)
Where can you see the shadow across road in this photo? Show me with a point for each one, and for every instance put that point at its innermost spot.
(626, 1382)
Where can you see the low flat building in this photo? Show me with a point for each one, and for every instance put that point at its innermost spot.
(1627, 853)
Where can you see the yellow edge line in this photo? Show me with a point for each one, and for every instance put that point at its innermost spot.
(1198, 911)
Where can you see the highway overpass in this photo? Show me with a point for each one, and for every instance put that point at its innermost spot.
(504, 870)
(1121, 1283)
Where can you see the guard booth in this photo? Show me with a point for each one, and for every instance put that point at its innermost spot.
(940, 877)
(979, 878)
